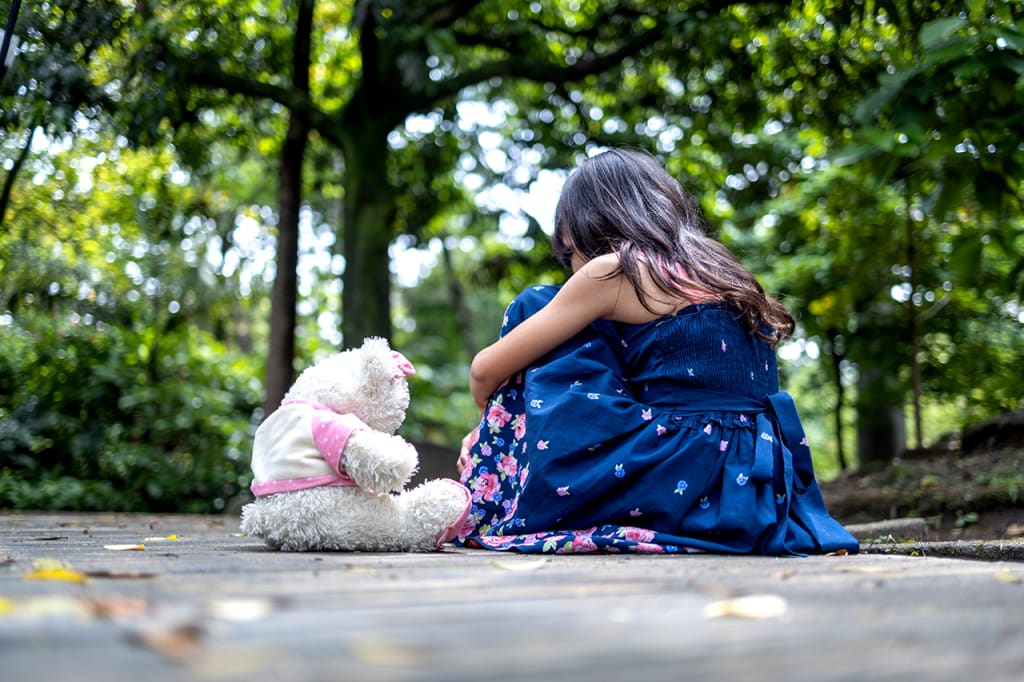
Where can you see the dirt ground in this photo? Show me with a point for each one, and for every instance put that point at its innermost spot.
(977, 496)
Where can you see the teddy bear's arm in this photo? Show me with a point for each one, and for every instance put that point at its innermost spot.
(379, 462)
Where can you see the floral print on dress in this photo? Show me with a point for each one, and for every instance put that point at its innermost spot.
(498, 416)
(485, 486)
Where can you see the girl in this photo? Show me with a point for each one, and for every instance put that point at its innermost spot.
(636, 408)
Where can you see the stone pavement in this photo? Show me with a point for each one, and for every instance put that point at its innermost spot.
(174, 597)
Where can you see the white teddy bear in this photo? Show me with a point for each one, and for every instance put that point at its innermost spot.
(327, 465)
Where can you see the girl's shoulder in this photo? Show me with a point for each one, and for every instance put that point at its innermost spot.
(602, 267)
(641, 301)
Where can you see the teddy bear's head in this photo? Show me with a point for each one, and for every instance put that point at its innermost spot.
(368, 382)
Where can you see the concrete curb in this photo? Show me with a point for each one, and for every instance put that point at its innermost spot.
(898, 530)
(981, 550)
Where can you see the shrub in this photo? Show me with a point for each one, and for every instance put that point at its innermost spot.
(104, 418)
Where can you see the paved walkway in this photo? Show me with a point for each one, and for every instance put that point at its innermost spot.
(207, 604)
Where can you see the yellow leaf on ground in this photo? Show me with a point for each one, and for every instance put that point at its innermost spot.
(55, 574)
(755, 606)
(1004, 576)
(47, 563)
(54, 569)
(36, 608)
(125, 548)
(169, 538)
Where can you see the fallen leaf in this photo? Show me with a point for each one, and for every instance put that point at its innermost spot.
(756, 606)
(1008, 577)
(73, 607)
(118, 607)
(239, 661)
(178, 644)
(44, 563)
(125, 548)
(239, 610)
(519, 565)
(380, 651)
(46, 538)
(131, 575)
(838, 552)
(56, 574)
(52, 606)
(1015, 530)
(54, 569)
(169, 538)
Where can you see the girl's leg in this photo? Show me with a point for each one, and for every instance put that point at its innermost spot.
(487, 458)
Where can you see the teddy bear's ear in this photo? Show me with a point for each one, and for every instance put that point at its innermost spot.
(378, 363)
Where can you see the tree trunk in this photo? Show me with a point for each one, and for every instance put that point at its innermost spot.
(837, 368)
(462, 314)
(912, 330)
(19, 161)
(281, 352)
(369, 224)
(880, 422)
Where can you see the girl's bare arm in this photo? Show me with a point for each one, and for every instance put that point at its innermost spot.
(588, 295)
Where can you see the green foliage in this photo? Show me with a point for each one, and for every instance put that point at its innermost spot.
(823, 140)
(123, 384)
(101, 418)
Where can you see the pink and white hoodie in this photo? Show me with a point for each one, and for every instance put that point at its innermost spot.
(301, 445)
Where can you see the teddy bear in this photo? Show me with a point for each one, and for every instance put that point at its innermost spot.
(329, 471)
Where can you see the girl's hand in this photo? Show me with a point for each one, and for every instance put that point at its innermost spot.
(465, 462)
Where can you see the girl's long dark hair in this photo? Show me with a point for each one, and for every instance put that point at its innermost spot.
(624, 201)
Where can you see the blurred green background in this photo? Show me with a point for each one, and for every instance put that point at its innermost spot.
(201, 198)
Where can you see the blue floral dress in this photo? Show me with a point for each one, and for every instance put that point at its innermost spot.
(669, 436)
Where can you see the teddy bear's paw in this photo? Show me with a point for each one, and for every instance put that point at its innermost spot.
(252, 519)
(257, 521)
(437, 509)
(379, 462)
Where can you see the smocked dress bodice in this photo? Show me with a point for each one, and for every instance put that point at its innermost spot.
(704, 347)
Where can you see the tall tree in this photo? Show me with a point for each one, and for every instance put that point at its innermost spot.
(49, 90)
(281, 353)
(943, 127)
(394, 60)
